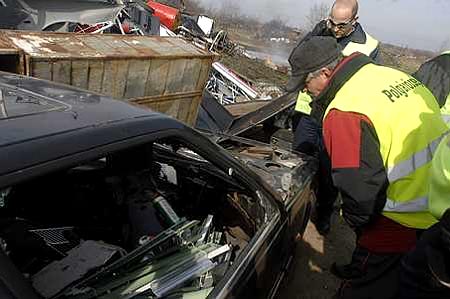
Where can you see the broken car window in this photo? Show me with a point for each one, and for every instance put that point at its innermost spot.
(155, 220)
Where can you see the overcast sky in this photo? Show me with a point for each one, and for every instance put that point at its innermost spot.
(422, 24)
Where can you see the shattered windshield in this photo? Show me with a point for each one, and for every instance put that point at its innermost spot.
(14, 103)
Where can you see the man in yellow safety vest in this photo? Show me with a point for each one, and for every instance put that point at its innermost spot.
(380, 156)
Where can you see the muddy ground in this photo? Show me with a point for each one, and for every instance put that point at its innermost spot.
(255, 70)
(309, 276)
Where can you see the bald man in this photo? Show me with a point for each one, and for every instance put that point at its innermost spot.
(344, 26)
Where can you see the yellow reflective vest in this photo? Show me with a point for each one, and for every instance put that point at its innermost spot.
(302, 104)
(367, 48)
(371, 44)
(406, 118)
(439, 197)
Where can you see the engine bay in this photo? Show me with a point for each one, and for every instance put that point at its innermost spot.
(154, 221)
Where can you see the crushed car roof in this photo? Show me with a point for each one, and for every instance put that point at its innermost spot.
(41, 120)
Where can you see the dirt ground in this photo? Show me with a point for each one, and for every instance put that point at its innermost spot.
(309, 276)
(254, 70)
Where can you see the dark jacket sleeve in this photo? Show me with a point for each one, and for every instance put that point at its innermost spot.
(435, 75)
(320, 29)
(357, 166)
(376, 55)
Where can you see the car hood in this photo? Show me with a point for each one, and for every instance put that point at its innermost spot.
(215, 118)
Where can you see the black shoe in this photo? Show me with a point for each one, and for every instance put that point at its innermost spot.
(323, 225)
(345, 271)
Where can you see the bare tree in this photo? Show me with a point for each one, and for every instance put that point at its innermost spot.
(317, 13)
(230, 8)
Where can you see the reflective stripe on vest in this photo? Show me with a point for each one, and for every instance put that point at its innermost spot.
(446, 118)
(416, 205)
(407, 140)
(367, 48)
(303, 101)
(419, 159)
(445, 110)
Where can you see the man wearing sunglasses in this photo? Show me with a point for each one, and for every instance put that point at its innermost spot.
(343, 25)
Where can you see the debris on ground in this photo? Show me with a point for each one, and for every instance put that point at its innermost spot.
(309, 276)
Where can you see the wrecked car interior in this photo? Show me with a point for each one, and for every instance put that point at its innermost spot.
(154, 221)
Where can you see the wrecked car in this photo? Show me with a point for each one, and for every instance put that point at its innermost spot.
(101, 199)
(81, 16)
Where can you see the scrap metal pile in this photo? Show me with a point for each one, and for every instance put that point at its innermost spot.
(122, 17)
(140, 18)
(113, 16)
(228, 87)
(189, 257)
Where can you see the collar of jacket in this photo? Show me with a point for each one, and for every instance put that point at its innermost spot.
(342, 73)
(357, 36)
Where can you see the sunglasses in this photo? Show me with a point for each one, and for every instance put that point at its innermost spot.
(343, 25)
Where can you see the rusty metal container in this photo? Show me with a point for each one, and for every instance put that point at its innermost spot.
(165, 74)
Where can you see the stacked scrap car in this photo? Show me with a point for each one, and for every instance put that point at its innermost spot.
(81, 16)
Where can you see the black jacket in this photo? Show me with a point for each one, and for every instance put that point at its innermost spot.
(357, 36)
(435, 74)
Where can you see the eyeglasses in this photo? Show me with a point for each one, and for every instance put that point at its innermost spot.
(342, 25)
